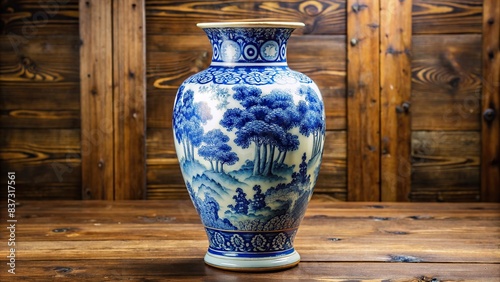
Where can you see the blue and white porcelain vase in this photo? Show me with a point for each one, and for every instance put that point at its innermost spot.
(249, 135)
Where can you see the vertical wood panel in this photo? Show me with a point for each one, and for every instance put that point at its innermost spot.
(96, 98)
(129, 61)
(363, 103)
(395, 78)
(490, 164)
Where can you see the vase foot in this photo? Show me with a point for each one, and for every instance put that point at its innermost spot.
(253, 264)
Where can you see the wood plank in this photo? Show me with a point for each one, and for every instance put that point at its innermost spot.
(439, 173)
(96, 99)
(395, 80)
(174, 17)
(23, 117)
(446, 82)
(448, 16)
(41, 156)
(490, 123)
(446, 144)
(28, 67)
(129, 100)
(455, 182)
(363, 103)
(23, 19)
(41, 59)
(51, 191)
(194, 269)
(331, 231)
(393, 248)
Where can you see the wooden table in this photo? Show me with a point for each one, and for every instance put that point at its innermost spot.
(338, 241)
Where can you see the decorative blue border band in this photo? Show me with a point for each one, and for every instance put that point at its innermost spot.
(256, 75)
(241, 243)
(248, 44)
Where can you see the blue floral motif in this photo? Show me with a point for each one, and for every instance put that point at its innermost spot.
(259, 243)
(249, 44)
(259, 77)
(250, 76)
(270, 50)
(238, 243)
(218, 241)
(279, 241)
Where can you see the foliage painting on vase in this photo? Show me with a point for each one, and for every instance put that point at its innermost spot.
(249, 139)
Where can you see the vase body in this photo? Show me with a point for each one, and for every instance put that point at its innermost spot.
(249, 136)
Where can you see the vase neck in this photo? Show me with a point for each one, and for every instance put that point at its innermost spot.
(248, 46)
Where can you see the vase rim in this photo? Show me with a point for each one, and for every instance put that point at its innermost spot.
(254, 24)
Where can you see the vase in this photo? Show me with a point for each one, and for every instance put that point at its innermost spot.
(249, 135)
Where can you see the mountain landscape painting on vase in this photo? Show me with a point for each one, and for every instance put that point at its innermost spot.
(243, 155)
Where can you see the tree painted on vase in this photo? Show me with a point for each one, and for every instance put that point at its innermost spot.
(264, 121)
(217, 151)
(259, 199)
(312, 118)
(242, 203)
(189, 117)
(210, 214)
(300, 185)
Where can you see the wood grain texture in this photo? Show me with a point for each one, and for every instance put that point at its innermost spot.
(39, 63)
(194, 269)
(438, 173)
(490, 122)
(96, 74)
(447, 16)
(24, 19)
(446, 82)
(180, 17)
(39, 98)
(129, 100)
(395, 80)
(137, 240)
(363, 101)
(40, 159)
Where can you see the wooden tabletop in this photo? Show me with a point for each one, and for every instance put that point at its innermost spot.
(338, 241)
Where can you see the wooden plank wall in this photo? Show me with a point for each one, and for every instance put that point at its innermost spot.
(395, 78)
(113, 84)
(443, 142)
(96, 74)
(363, 101)
(430, 115)
(40, 98)
(446, 100)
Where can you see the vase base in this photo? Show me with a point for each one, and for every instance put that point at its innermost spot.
(260, 264)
